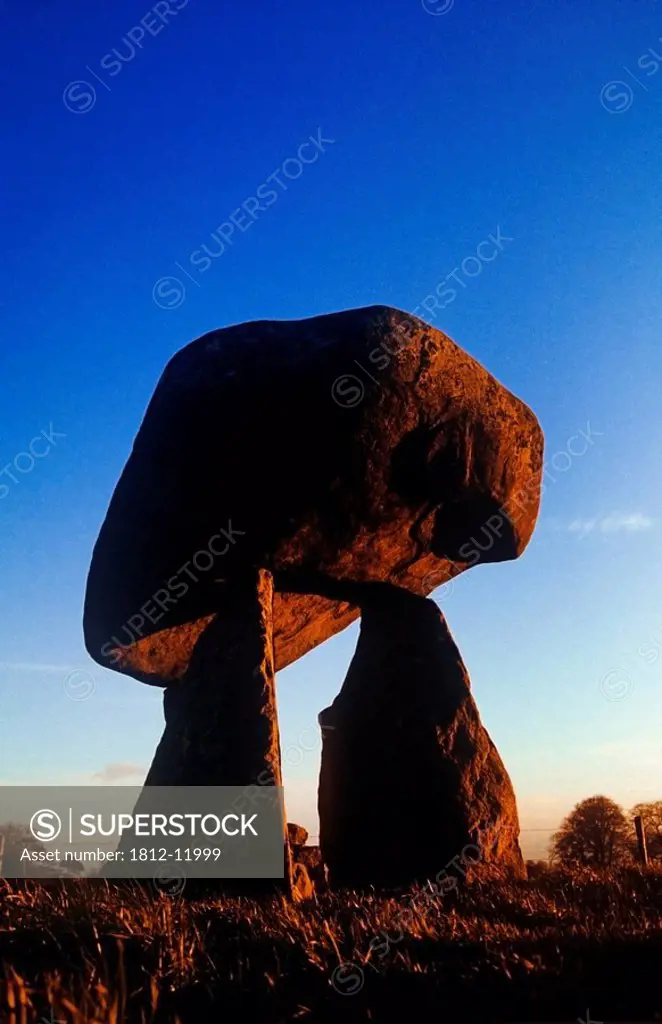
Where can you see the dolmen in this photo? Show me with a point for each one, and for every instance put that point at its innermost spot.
(289, 477)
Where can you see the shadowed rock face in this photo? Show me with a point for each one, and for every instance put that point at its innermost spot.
(258, 449)
(221, 723)
(410, 777)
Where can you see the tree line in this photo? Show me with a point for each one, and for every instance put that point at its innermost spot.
(599, 834)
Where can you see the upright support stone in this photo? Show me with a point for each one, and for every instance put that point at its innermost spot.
(409, 776)
(221, 721)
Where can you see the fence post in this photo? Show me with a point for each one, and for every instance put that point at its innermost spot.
(2, 850)
(641, 839)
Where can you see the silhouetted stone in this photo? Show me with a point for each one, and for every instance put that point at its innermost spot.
(410, 777)
(258, 449)
(221, 720)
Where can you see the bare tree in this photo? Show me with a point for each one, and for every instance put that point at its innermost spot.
(596, 834)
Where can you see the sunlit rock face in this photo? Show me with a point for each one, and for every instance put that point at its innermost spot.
(353, 448)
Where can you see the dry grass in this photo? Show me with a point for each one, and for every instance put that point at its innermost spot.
(524, 951)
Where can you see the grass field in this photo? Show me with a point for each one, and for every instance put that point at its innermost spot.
(542, 950)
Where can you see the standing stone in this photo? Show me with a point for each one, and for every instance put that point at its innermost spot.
(221, 723)
(409, 775)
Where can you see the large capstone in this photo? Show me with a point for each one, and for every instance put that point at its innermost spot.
(353, 448)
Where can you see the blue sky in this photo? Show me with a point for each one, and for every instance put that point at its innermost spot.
(540, 120)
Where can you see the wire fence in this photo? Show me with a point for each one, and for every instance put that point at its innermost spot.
(549, 831)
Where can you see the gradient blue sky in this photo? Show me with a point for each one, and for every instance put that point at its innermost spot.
(543, 118)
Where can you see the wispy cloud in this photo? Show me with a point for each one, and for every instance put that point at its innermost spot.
(615, 522)
(119, 770)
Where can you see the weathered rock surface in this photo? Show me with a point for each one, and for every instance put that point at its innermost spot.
(409, 776)
(297, 834)
(302, 884)
(259, 450)
(311, 858)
